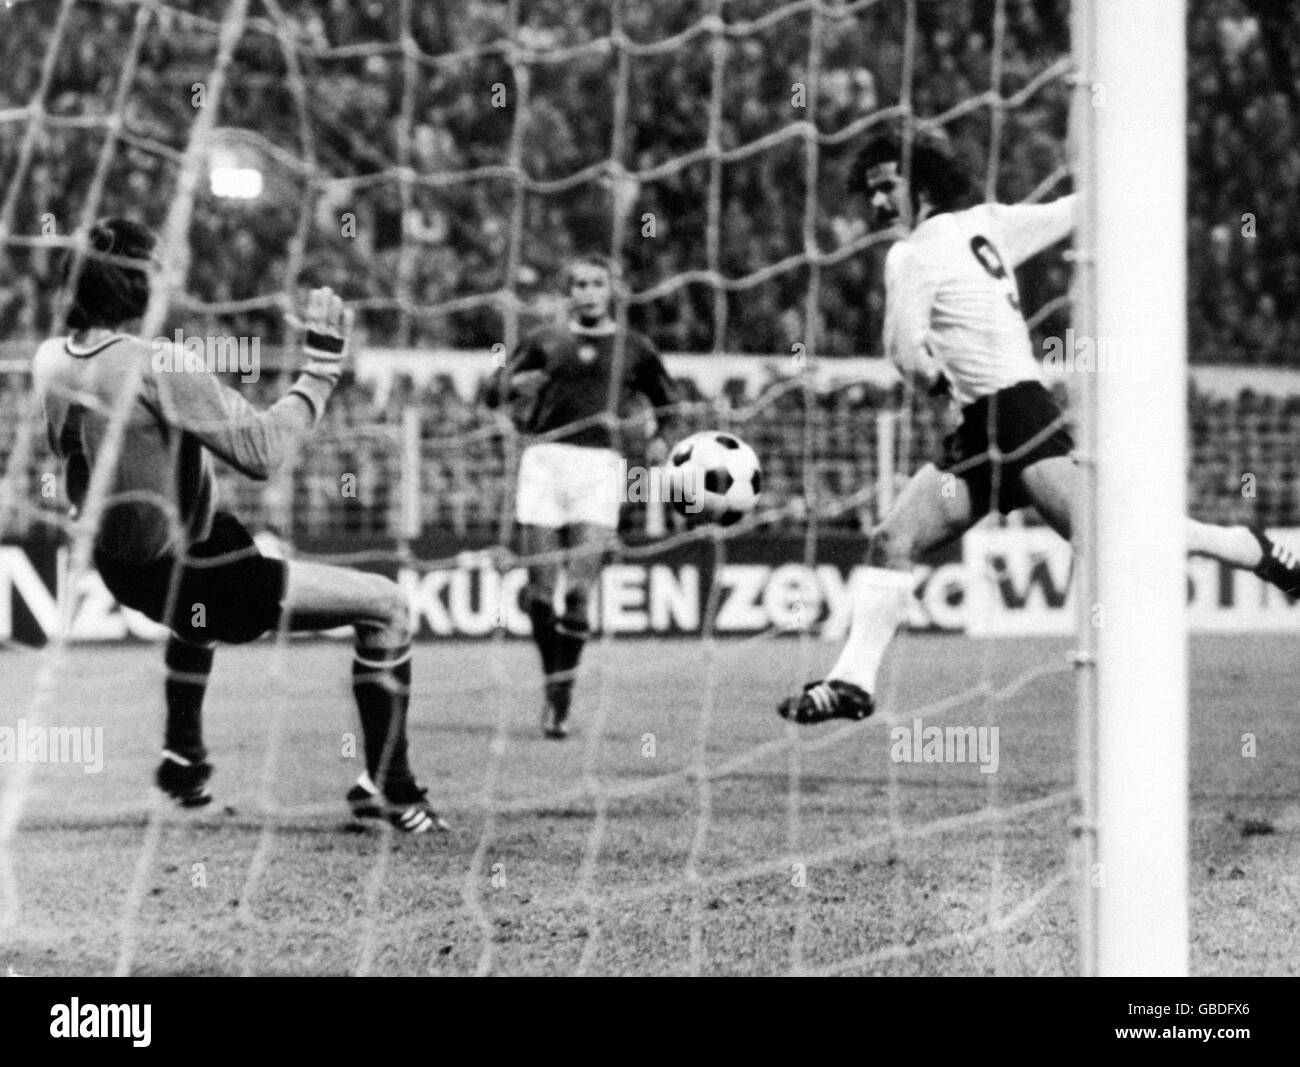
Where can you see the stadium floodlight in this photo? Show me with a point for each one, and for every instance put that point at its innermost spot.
(235, 183)
(1131, 288)
(235, 165)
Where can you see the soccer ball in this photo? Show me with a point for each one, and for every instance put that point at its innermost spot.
(714, 477)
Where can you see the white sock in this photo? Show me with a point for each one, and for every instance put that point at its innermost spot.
(1235, 545)
(877, 613)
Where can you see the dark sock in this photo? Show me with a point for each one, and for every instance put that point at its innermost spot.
(542, 614)
(381, 683)
(188, 667)
(1279, 566)
(571, 633)
(569, 640)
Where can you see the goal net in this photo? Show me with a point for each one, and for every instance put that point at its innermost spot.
(437, 164)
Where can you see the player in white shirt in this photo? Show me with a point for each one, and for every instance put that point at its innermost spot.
(953, 325)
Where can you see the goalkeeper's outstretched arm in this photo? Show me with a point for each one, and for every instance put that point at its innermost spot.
(254, 441)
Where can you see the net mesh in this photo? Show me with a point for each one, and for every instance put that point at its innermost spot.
(437, 168)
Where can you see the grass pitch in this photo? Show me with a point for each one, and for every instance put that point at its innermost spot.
(796, 849)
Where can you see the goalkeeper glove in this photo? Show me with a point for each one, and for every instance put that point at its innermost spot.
(327, 329)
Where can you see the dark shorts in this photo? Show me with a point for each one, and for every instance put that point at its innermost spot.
(238, 588)
(1028, 427)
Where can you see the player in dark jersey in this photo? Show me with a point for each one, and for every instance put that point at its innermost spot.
(574, 380)
(162, 547)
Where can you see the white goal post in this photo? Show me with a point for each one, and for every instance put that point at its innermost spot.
(1131, 295)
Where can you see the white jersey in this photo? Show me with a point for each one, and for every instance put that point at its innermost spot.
(951, 297)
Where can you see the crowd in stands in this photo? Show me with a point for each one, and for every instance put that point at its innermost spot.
(328, 92)
(1244, 155)
(349, 484)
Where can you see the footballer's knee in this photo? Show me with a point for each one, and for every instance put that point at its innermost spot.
(575, 608)
(887, 549)
(389, 624)
(541, 586)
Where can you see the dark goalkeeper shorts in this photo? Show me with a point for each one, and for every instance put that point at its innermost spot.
(228, 591)
(1028, 427)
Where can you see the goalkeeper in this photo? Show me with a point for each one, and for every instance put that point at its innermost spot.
(163, 547)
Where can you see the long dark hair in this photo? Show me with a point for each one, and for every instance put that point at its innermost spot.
(108, 294)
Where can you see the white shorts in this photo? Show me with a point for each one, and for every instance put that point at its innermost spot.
(563, 485)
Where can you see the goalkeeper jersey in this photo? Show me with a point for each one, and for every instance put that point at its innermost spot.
(177, 419)
(951, 294)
